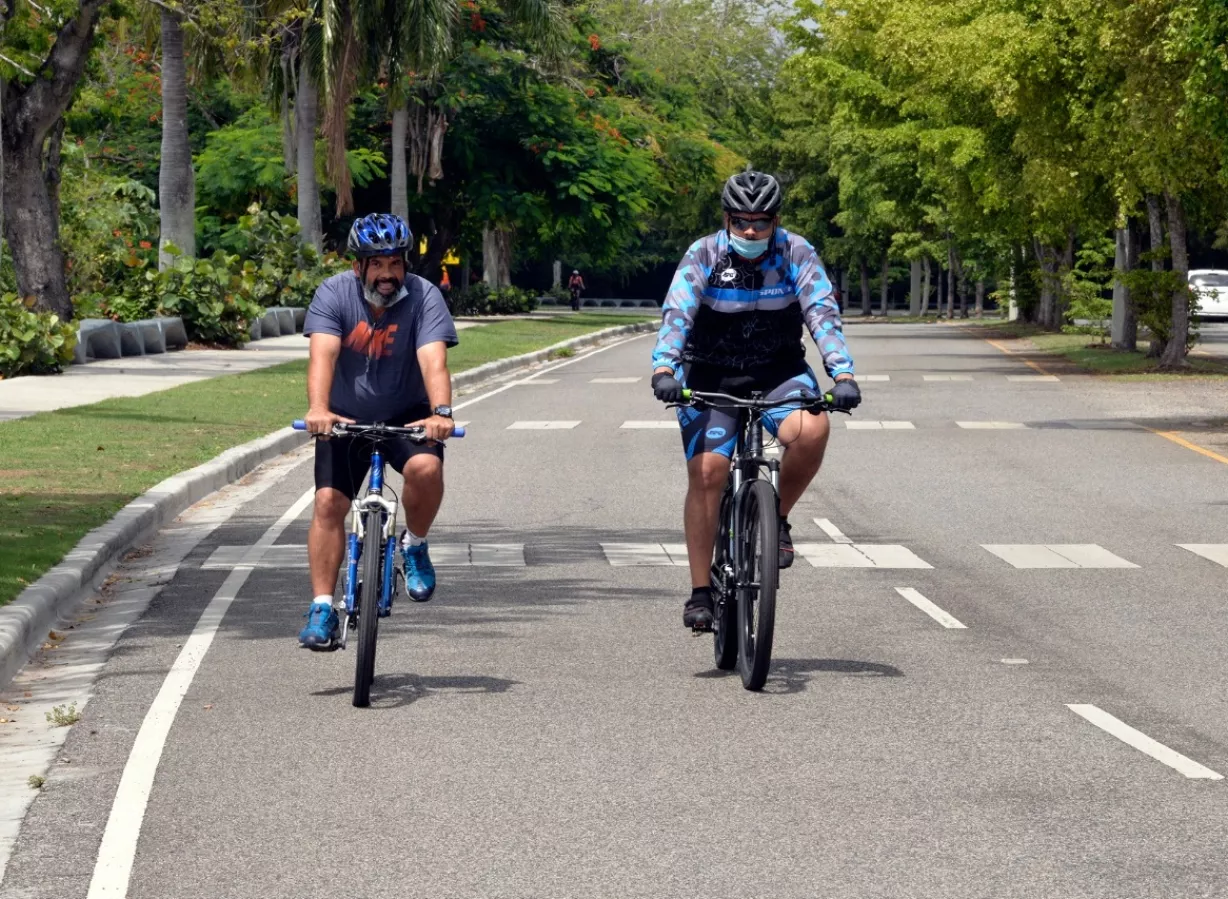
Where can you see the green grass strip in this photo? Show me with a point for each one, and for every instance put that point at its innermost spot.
(64, 473)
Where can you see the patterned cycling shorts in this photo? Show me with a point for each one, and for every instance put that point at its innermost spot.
(711, 430)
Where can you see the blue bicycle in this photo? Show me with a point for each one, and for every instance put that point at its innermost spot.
(375, 517)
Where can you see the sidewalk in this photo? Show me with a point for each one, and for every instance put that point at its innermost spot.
(80, 385)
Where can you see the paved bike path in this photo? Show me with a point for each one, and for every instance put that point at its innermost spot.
(551, 730)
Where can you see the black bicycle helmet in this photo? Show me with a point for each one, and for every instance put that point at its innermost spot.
(380, 234)
(750, 192)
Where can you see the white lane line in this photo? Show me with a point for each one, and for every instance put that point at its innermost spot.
(992, 425)
(860, 555)
(861, 425)
(535, 381)
(649, 425)
(1214, 552)
(1056, 555)
(677, 554)
(443, 555)
(508, 386)
(874, 377)
(628, 554)
(890, 555)
(1143, 743)
(832, 531)
(542, 425)
(947, 377)
(946, 619)
(615, 380)
(119, 841)
(503, 555)
(1048, 379)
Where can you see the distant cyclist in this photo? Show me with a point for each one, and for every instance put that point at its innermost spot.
(379, 353)
(732, 323)
(575, 284)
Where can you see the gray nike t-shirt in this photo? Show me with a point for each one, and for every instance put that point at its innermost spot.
(377, 374)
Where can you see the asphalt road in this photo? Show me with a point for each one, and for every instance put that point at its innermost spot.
(548, 728)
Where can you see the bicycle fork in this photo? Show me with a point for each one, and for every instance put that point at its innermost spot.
(355, 544)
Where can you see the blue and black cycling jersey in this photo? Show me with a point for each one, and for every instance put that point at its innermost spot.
(724, 311)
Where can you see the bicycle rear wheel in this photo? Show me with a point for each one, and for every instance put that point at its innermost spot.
(757, 549)
(368, 606)
(724, 600)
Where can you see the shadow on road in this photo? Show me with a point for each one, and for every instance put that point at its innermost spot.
(395, 691)
(794, 675)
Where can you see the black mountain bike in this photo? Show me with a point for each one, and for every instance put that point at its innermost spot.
(745, 568)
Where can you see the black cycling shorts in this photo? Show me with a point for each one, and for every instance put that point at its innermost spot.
(342, 462)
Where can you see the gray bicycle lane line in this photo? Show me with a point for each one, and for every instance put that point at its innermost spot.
(651, 582)
(187, 595)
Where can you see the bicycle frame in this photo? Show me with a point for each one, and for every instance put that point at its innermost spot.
(355, 544)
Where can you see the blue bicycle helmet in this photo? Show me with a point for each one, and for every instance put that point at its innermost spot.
(380, 234)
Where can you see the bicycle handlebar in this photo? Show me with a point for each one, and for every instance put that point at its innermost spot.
(340, 429)
(821, 403)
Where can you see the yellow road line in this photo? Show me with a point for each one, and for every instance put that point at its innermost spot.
(1028, 362)
(1181, 441)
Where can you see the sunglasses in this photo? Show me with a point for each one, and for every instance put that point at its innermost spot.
(749, 224)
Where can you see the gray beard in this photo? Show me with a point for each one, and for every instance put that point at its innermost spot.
(377, 299)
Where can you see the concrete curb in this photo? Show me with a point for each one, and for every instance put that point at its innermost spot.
(25, 621)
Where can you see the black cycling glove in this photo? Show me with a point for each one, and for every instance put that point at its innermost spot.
(845, 395)
(666, 387)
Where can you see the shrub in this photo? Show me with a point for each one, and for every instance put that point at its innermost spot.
(213, 296)
(280, 269)
(479, 299)
(31, 342)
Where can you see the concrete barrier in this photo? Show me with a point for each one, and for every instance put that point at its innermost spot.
(98, 338)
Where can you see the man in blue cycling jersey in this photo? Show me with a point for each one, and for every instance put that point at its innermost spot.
(732, 323)
(379, 353)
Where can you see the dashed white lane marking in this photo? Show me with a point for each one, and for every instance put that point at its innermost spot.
(946, 619)
(1215, 552)
(859, 555)
(947, 377)
(622, 555)
(443, 555)
(650, 425)
(542, 425)
(119, 841)
(615, 380)
(534, 382)
(860, 425)
(1057, 555)
(1014, 661)
(1048, 379)
(992, 425)
(1143, 743)
(832, 531)
(874, 377)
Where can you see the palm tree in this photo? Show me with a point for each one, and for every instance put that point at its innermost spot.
(176, 176)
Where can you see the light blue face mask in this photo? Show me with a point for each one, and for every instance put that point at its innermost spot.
(748, 249)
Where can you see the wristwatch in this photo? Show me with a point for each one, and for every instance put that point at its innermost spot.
(445, 411)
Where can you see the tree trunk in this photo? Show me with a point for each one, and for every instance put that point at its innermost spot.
(30, 112)
(496, 257)
(289, 148)
(1179, 331)
(884, 289)
(939, 289)
(306, 114)
(399, 172)
(914, 287)
(1047, 314)
(950, 281)
(865, 288)
(176, 177)
(925, 288)
(980, 298)
(52, 172)
(1124, 329)
(1155, 222)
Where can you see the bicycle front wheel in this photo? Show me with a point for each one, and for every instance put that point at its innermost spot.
(724, 614)
(758, 546)
(368, 606)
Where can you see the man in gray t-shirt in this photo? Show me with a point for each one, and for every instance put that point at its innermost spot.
(379, 353)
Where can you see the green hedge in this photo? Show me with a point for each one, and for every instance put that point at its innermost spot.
(31, 342)
(479, 299)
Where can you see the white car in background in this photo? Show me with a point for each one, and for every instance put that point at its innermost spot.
(1212, 287)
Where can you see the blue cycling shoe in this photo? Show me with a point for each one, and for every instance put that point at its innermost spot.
(323, 628)
(419, 572)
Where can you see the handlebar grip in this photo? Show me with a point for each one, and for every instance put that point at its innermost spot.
(458, 432)
(299, 425)
(829, 398)
(686, 393)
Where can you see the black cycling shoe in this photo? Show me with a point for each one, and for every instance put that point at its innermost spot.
(697, 613)
(786, 544)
